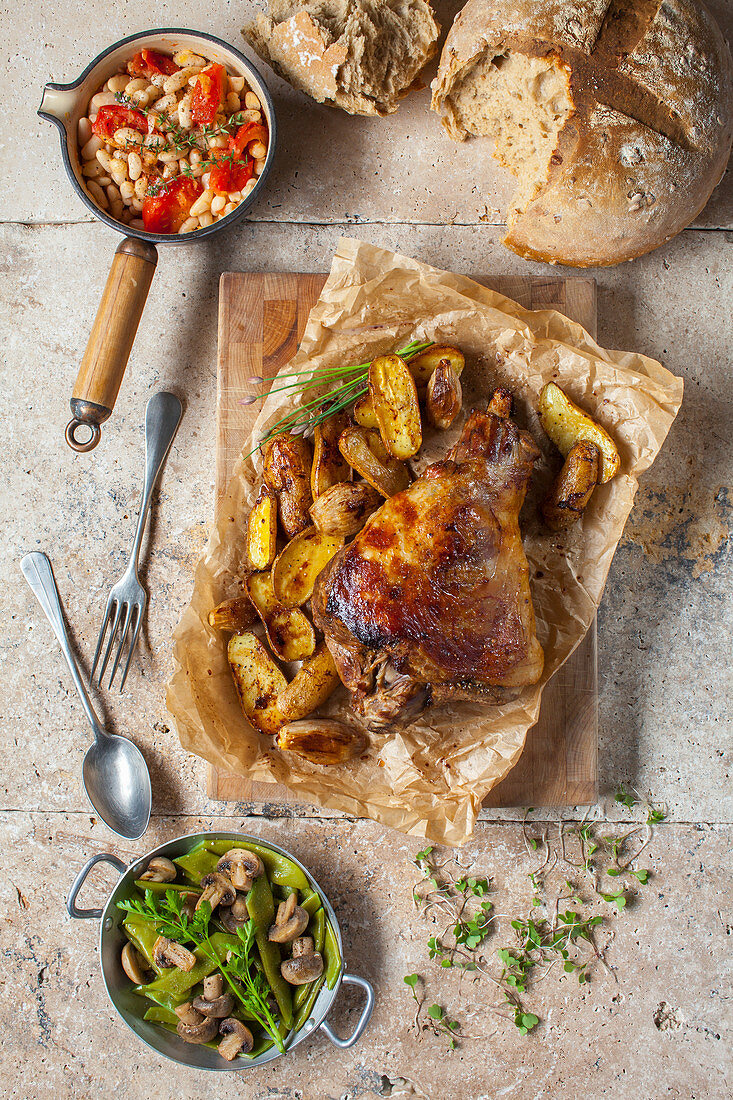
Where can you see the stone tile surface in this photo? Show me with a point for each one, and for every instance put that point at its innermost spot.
(655, 1025)
(331, 167)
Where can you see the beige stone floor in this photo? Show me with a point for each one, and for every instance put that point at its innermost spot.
(664, 628)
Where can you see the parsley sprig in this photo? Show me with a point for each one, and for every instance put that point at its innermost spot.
(239, 969)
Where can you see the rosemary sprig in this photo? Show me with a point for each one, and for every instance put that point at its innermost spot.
(354, 384)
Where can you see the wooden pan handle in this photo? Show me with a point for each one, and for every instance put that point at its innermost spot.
(110, 343)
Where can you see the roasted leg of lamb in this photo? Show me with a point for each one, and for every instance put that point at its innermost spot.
(431, 601)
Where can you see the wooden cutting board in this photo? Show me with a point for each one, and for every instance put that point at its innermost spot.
(261, 321)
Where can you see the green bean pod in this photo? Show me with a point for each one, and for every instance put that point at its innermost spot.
(261, 908)
(280, 870)
(331, 957)
(317, 931)
(175, 981)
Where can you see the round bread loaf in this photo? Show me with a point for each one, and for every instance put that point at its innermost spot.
(616, 117)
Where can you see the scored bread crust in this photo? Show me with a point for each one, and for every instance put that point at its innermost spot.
(649, 134)
(360, 55)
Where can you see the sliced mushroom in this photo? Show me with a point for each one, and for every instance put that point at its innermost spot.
(187, 1014)
(241, 866)
(167, 954)
(290, 922)
(213, 986)
(306, 964)
(237, 1039)
(217, 890)
(160, 869)
(218, 1008)
(234, 916)
(133, 964)
(201, 1029)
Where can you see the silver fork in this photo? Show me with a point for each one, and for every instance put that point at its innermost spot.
(128, 599)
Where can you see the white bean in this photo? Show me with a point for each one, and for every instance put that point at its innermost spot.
(139, 84)
(113, 193)
(127, 190)
(259, 165)
(166, 103)
(97, 194)
(116, 210)
(137, 223)
(141, 99)
(218, 141)
(235, 196)
(252, 116)
(195, 157)
(141, 186)
(119, 175)
(256, 149)
(249, 187)
(169, 171)
(104, 159)
(236, 83)
(184, 112)
(233, 103)
(118, 82)
(90, 150)
(206, 179)
(189, 225)
(92, 169)
(158, 79)
(83, 130)
(167, 156)
(101, 99)
(186, 58)
(206, 219)
(126, 216)
(252, 101)
(104, 181)
(228, 208)
(137, 204)
(127, 136)
(217, 204)
(134, 166)
(203, 202)
(176, 81)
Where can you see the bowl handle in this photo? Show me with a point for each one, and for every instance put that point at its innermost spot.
(354, 979)
(104, 857)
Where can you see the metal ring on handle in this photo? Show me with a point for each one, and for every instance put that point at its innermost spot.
(74, 443)
(354, 979)
(71, 906)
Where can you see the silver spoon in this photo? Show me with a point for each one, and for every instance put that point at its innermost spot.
(116, 777)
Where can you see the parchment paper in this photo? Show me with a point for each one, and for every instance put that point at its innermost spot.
(430, 780)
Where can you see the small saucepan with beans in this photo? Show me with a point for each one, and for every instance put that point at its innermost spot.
(167, 137)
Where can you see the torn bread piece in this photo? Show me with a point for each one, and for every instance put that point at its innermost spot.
(360, 55)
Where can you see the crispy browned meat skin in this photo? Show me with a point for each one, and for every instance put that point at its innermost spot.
(431, 600)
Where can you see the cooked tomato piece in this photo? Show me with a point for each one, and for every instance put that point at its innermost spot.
(208, 94)
(113, 116)
(251, 131)
(166, 211)
(230, 174)
(148, 62)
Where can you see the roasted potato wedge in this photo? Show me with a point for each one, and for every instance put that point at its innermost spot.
(298, 565)
(344, 509)
(422, 366)
(568, 497)
(236, 614)
(312, 684)
(321, 740)
(287, 468)
(329, 465)
(289, 632)
(501, 403)
(364, 414)
(388, 477)
(262, 530)
(444, 396)
(396, 407)
(258, 680)
(565, 424)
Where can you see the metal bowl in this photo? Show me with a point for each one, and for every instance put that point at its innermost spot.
(112, 939)
(65, 104)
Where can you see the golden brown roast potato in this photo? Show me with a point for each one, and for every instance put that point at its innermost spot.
(344, 509)
(329, 465)
(422, 366)
(565, 424)
(236, 614)
(297, 566)
(258, 681)
(388, 477)
(287, 468)
(396, 407)
(444, 396)
(262, 530)
(290, 634)
(364, 414)
(568, 497)
(312, 684)
(321, 740)
(501, 403)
